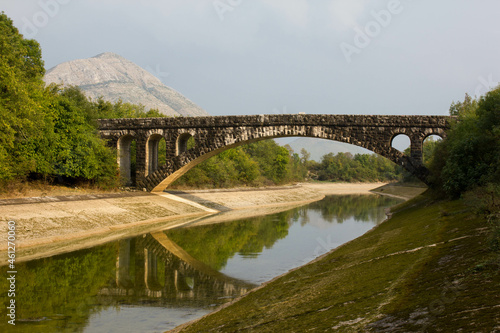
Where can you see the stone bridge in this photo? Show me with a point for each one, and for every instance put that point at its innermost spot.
(213, 135)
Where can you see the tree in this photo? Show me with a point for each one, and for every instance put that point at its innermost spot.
(305, 156)
(470, 155)
(359, 168)
(78, 150)
(21, 101)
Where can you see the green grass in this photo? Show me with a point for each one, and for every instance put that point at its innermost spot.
(428, 268)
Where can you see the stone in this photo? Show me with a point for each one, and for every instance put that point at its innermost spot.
(213, 134)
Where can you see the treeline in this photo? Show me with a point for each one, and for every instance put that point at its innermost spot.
(266, 163)
(256, 164)
(358, 168)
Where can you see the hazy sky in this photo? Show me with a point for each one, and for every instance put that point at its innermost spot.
(285, 56)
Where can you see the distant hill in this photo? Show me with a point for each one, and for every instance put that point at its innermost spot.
(114, 77)
(319, 147)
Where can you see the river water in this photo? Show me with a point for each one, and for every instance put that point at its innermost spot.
(160, 280)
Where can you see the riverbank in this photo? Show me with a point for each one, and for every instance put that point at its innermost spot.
(49, 225)
(428, 268)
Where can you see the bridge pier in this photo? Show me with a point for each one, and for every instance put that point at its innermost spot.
(416, 150)
(123, 265)
(141, 162)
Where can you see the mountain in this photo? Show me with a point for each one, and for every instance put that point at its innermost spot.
(114, 77)
(319, 147)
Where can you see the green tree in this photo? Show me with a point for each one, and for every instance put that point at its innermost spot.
(79, 152)
(429, 147)
(21, 100)
(470, 155)
(279, 165)
(357, 168)
(305, 156)
(51, 132)
(259, 163)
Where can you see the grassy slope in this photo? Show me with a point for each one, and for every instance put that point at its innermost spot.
(428, 268)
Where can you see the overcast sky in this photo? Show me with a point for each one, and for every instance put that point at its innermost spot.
(285, 56)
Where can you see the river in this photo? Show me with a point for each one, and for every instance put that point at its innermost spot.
(160, 280)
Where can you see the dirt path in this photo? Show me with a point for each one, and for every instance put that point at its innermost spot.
(55, 224)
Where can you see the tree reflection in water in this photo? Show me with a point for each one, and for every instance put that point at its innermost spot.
(363, 208)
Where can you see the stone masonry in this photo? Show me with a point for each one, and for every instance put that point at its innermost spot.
(213, 135)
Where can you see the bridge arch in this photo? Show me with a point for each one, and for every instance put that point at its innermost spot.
(441, 136)
(124, 156)
(216, 134)
(151, 271)
(189, 159)
(182, 142)
(398, 139)
(152, 151)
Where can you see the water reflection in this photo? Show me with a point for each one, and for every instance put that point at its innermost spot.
(216, 244)
(58, 294)
(159, 280)
(153, 268)
(361, 208)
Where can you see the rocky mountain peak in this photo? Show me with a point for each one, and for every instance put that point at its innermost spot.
(113, 77)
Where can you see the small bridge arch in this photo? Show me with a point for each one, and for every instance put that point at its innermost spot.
(124, 155)
(216, 134)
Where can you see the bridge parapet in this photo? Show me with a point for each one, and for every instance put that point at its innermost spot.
(274, 120)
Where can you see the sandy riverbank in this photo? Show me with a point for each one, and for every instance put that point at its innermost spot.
(50, 225)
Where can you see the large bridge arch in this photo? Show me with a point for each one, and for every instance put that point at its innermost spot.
(216, 134)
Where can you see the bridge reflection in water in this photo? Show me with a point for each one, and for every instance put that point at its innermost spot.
(153, 269)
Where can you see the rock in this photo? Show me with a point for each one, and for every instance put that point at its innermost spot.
(116, 78)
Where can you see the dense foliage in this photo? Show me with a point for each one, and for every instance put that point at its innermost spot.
(470, 156)
(267, 163)
(21, 99)
(359, 168)
(50, 132)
